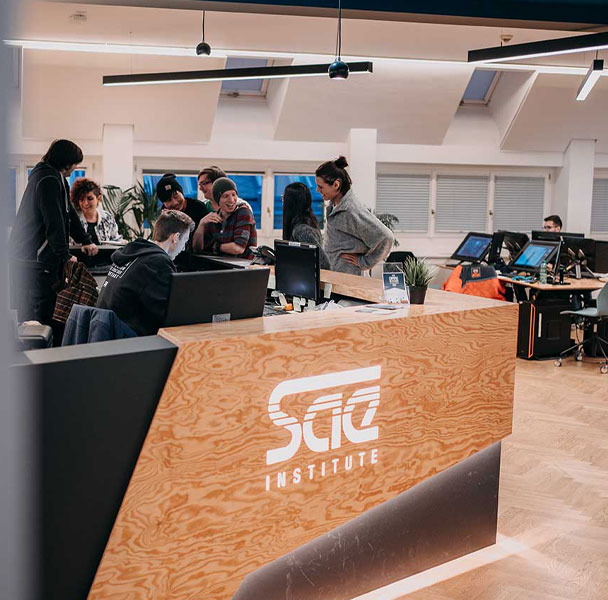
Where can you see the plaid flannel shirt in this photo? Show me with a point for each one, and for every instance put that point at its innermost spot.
(239, 228)
(81, 288)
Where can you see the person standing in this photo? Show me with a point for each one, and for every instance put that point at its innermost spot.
(355, 240)
(299, 221)
(171, 194)
(39, 241)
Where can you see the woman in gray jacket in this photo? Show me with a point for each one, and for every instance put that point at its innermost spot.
(355, 240)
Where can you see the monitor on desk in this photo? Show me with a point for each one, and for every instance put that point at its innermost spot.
(554, 236)
(215, 296)
(532, 255)
(513, 242)
(577, 249)
(297, 269)
(473, 248)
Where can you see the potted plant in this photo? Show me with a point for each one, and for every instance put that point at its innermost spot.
(418, 274)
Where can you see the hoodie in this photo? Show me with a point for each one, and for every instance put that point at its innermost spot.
(45, 220)
(352, 228)
(138, 285)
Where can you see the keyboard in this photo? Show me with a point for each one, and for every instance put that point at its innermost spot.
(99, 270)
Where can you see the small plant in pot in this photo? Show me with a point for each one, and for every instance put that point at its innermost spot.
(418, 274)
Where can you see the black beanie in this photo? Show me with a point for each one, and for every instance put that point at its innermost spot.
(166, 186)
(221, 185)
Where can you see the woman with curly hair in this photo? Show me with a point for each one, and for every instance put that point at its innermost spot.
(98, 223)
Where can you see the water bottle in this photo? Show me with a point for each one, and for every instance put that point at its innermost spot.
(543, 272)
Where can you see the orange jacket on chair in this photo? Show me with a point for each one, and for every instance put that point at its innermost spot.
(475, 280)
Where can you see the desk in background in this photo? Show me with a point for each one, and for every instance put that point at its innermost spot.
(543, 332)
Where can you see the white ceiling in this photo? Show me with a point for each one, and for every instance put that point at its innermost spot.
(408, 102)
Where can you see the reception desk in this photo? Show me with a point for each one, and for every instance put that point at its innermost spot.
(318, 455)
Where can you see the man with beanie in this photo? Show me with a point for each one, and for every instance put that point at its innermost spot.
(139, 282)
(230, 229)
(171, 194)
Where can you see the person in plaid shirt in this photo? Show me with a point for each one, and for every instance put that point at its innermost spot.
(230, 229)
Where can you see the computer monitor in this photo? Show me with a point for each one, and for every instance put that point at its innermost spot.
(473, 248)
(214, 296)
(554, 236)
(532, 255)
(513, 242)
(576, 249)
(297, 269)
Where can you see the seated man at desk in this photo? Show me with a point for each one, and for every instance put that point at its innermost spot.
(139, 282)
(230, 230)
(552, 223)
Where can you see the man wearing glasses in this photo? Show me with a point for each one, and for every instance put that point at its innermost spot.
(552, 223)
(206, 179)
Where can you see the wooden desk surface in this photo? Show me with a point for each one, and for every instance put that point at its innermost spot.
(575, 285)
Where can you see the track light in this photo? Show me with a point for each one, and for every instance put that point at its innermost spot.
(338, 69)
(231, 74)
(203, 47)
(579, 43)
(593, 74)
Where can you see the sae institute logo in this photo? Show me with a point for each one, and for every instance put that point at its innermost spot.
(349, 416)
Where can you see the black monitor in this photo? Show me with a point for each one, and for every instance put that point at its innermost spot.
(474, 247)
(576, 249)
(554, 236)
(531, 256)
(297, 269)
(215, 296)
(600, 262)
(513, 242)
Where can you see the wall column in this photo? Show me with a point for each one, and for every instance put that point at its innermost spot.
(574, 186)
(117, 156)
(362, 156)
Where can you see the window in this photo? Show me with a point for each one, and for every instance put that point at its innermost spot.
(461, 203)
(407, 197)
(480, 87)
(281, 181)
(246, 87)
(599, 206)
(71, 179)
(249, 188)
(519, 203)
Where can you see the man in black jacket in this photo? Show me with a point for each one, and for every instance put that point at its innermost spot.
(139, 282)
(39, 242)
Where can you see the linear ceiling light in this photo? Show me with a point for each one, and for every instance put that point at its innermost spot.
(579, 43)
(593, 74)
(230, 74)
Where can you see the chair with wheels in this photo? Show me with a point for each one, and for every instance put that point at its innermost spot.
(590, 319)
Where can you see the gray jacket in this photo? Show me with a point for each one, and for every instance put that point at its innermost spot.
(352, 228)
(309, 235)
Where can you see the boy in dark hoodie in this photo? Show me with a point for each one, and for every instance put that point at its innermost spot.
(139, 282)
(39, 242)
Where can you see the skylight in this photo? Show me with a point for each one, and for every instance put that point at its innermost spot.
(250, 87)
(480, 87)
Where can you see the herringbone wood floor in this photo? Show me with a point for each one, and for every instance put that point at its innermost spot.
(553, 511)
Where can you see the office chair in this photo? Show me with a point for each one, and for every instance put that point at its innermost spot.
(399, 256)
(590, 316)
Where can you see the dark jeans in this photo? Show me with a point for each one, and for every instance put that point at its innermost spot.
(32, 292)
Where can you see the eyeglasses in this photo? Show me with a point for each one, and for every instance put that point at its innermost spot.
(204, 183)
(548, 227)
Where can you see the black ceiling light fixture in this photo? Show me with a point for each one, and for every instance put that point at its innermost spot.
(203, 47)
(338, 69)
(569, 45)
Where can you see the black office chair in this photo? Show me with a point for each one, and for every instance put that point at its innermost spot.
(590, 317)
(399, 256)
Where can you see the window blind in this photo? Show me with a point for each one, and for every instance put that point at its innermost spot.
(462, 202)
(406, 197)
(599, 206)
(519, 203)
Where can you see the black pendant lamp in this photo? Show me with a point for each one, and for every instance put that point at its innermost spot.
(203, 47)
(338, 69)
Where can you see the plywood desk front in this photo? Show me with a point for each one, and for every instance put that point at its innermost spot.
(271, 432)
